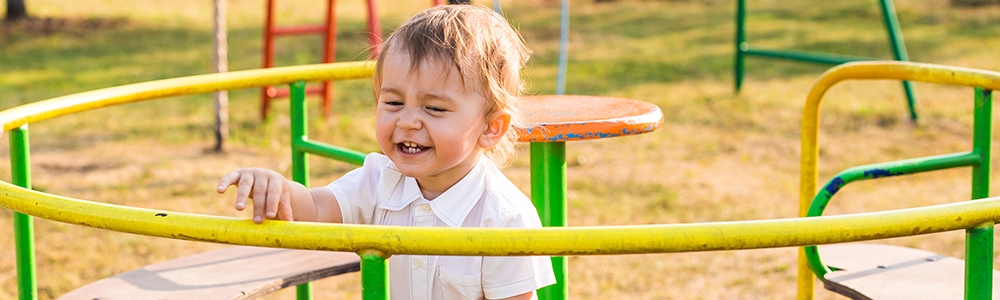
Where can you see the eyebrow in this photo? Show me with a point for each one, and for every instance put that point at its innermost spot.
(443, 97)
(389, 90)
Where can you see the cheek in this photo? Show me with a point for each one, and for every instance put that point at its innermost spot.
(460, 133)
(383, 127)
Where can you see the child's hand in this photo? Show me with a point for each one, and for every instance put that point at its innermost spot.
(271, 192)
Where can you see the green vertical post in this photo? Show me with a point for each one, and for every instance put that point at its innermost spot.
(374, 275)
(300, 162)
(979, 240)
(741, 43)
(548, 193)
(898, 50)
(300, 118)
(24, 231)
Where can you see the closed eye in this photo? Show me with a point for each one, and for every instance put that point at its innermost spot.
(435, 109)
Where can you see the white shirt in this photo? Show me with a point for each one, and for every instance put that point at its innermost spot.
(378, 194)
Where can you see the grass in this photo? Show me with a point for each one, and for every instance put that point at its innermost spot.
(719, 156)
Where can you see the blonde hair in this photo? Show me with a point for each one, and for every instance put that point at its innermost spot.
(484, 48)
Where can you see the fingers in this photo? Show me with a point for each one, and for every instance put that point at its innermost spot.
(269, 191)
(276, 190)
(227, 180)
(285, 206)
(260, 191)
(243, 187)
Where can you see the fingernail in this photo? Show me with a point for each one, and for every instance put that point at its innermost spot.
(271, 214)
(257, 219)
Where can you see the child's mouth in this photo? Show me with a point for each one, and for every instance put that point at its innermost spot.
(411, 148)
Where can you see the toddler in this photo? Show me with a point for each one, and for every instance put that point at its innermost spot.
(446, 86)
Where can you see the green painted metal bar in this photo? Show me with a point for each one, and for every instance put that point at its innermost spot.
(304, 291)
(809, 56)
(895, 33)
(979, 263)
(979, 240)
(374, 275)
(898, 50)
(24, 229)
(300, 161)
(548, 193)
(892, 28)
(300, 119)
(741, 44)
(329, 151)
(889, 169)
(874, 171)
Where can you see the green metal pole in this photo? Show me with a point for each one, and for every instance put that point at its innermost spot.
(979, 240)
(979, 262)
(24, 231)
(899, 50)
(374, 275)
(548, 193)
(300, 117)
(329, 151)
(807, 56)
(300, 162)
(741, 43)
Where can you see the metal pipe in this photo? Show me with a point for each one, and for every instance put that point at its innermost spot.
(24, 229)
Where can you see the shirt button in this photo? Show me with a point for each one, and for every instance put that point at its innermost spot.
(418, 263)
(425, 208)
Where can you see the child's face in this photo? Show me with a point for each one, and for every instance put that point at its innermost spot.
(430, 124)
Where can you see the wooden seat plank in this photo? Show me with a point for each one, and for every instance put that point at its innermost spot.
(875, 271)
(229, 273)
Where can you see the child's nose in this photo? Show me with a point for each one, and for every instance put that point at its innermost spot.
(409, 120)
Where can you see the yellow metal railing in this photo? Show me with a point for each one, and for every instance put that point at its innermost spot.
(485, 241)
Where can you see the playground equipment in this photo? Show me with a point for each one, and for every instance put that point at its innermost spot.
(374, 243)
(891, 26)
(329, 31)
(978, 267)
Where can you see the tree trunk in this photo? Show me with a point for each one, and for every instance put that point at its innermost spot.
(16, 10)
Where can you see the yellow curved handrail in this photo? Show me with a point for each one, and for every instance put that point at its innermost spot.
(895, 70)
(60, 106)
(489, 241)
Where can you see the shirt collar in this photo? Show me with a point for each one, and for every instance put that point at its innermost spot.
(452, 206)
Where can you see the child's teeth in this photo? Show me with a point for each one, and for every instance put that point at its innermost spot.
(411, 147)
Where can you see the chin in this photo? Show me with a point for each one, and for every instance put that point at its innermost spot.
(411, 172)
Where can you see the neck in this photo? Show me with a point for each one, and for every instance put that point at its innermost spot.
(433, 186)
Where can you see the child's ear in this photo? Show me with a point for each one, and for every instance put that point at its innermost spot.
(496, 129)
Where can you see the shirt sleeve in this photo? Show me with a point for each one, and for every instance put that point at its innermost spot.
(355, 191)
